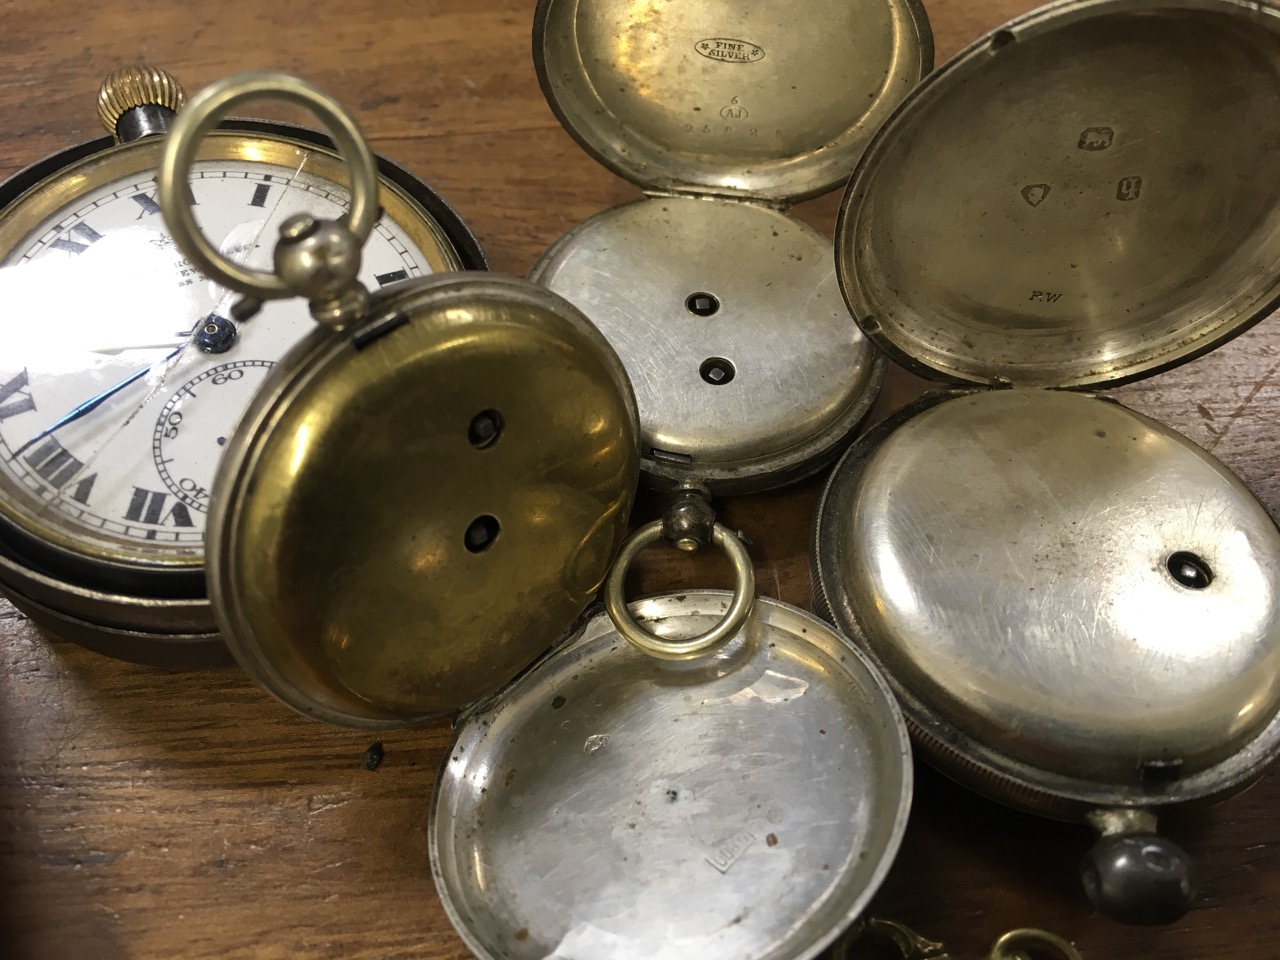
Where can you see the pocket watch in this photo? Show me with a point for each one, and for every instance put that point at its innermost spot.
(423, 499)
(748, 370)
(116, 406)
(1076, 606)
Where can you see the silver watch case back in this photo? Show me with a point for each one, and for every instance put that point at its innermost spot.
(724, 309)
(1076, 605)
(606, 804)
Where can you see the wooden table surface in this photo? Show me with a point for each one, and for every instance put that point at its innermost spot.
(150, 814)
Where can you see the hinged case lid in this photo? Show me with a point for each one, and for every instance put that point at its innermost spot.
(413, 510)
(610, 805)
(750, 98)
(1084, 197)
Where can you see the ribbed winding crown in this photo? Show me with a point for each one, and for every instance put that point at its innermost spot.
(136, 86)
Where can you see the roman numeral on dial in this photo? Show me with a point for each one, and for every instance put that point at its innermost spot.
(396, 275)
(148, 204)
(148, 506)
(15, 397)
(53, 463)
(84, 232)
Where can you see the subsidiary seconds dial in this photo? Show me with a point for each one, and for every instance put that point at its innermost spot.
(195, 424)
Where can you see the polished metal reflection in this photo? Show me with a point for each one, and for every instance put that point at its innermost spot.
(729, 97)
(724, 630)
(800, 376)
(1004, 555)
(1083, 197)
(609, 805)
(374, 558)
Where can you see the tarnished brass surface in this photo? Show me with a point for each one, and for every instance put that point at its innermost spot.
(739, 97)
(1083, 197)
(348, 553)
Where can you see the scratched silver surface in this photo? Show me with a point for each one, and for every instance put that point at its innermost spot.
(1004, 555)
(804, 375)
(741, 807)
(1084, 197)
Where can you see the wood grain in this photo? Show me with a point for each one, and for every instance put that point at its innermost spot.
(146, 814)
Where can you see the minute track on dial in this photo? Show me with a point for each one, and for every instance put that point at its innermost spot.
(146, 493)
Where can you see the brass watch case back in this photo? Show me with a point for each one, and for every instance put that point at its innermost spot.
(154, 609)
(747, 368)
(417, 508)
(1081, 198)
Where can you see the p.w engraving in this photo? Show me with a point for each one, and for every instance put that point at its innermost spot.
(729, 50)
(1041, 296)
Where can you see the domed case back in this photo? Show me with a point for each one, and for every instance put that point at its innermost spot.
(415, 509)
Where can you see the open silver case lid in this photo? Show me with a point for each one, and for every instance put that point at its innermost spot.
(607, 804)
(748, 371)
(1077, 606)
(1081, 198)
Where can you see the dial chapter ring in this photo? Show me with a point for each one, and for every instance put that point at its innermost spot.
(202, 114)
(744, 592)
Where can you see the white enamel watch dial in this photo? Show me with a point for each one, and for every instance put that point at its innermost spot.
(116, 395)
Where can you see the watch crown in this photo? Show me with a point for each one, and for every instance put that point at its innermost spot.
(139, 85)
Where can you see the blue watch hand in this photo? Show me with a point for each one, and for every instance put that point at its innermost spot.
(94, 402)
(213, 334)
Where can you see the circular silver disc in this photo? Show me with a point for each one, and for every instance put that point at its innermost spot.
(1074, 587)
(612, 805)
(747, 368)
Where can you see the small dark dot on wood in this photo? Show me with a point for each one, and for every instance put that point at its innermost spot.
(373, 756)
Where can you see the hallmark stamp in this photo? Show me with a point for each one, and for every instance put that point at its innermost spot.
(726, 854)
(1035, 193)
(1096, 138)
(729, 50)
(1129, 188)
